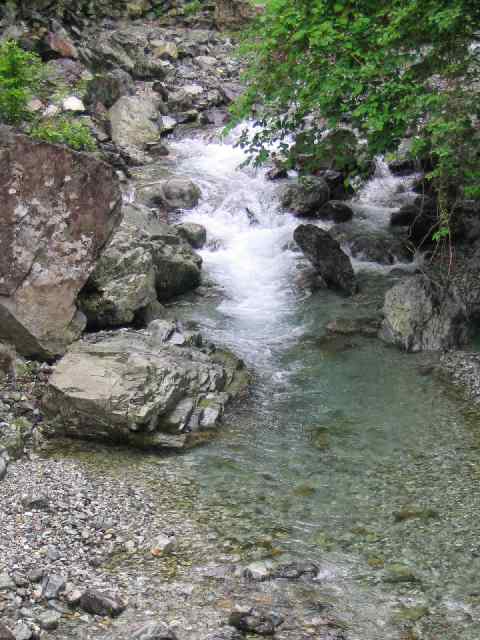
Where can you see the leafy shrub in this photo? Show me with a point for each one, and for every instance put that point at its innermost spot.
(63, 130)
(20, 74)
(193, 7)
(388, 69)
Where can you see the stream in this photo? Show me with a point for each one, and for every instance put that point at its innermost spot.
(345, 454)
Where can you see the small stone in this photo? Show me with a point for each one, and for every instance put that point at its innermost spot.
(5, 633)
(227, 633)
(36, 501)
(6, 582)
(20, 580)
(3, 467)
(295, 570)
(255, 621)
(163, 545)
(72, 103)
(36, 575)
(23, 632)
(101, 604)
(49, 620)
(52, 586)
(258, 571)
(168, 124)
(154, 631)
(397, 573)
(73, 596)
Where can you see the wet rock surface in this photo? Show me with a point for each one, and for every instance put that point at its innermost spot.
(307, 197)
(421, 315)
(327, 257)
(146, 262)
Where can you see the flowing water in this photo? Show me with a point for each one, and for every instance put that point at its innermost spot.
(345, 454)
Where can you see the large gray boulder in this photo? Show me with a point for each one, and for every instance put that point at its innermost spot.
(327, 257)
(134, 123)
(145, 262)
(150, 389)
(107, 88)
(421, 315)
(306, 197)
(59, 209)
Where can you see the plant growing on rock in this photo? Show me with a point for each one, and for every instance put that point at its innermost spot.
(20, 74)
(64, 130)
(390, 70)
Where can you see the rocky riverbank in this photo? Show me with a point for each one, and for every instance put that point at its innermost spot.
(101, 543)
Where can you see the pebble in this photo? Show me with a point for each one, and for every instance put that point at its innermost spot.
(5, 633)
(154, 631)
(163, 545)
(101, 604)
(6, 582)
(49, 620)
(52, 586)
(255, 621)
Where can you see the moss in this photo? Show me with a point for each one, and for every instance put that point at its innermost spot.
(411, 614)
(304, 491)
(415, 513)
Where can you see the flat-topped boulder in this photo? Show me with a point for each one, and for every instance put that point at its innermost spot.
(150, 389)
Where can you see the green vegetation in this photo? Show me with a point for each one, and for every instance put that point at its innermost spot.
(64, 130)
(389, 69)
(193, 7)
(23, 75)
(20, 75)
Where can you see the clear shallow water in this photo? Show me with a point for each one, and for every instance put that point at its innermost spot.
(345, 454)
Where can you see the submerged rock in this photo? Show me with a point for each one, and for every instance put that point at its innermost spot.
(59, 208)
(421, 315)
(462, 369)
(141, 388)
(372, 246)
(367, 327)
(263, 623)
(327, 257)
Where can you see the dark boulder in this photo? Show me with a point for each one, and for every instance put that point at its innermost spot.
(327, 257)
(335, 210)
(107, 88)
(403, 167)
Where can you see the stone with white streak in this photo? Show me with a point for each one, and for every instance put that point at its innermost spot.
(59, 209)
